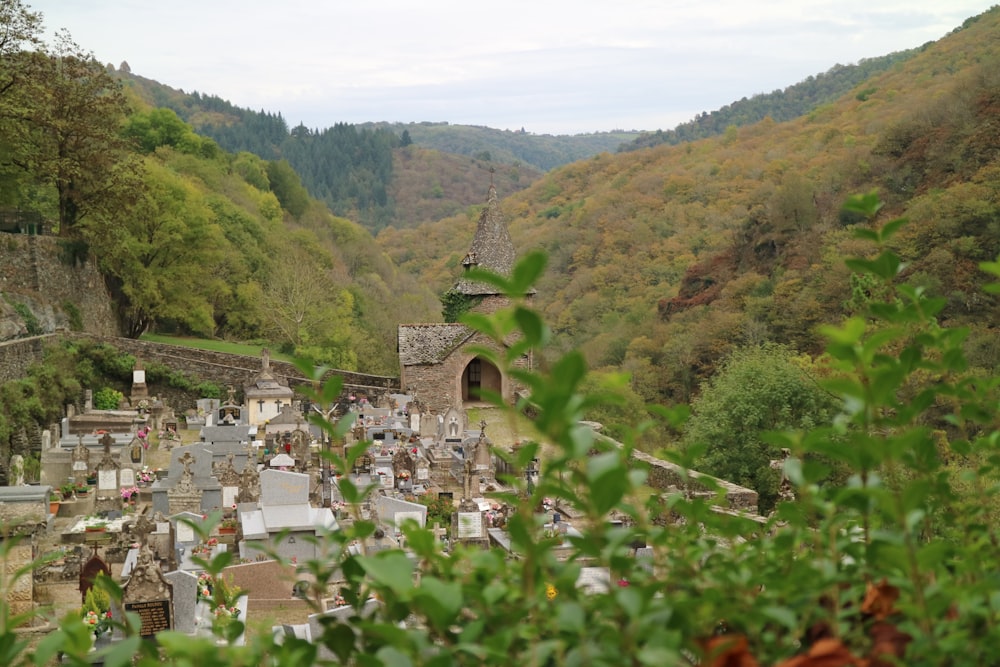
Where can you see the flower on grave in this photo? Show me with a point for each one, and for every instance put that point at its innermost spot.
(206, 587)
(129, 491)
(623, 583)
(224, 613)
(339, 601)
(97, 622)
(551, 591)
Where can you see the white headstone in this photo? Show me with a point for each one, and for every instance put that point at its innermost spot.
(400, 517)
(107, 480)
(184, 532)
(229, 494)
(470, 525)
(127, 477)
(138, 377)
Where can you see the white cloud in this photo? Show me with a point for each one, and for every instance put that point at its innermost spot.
(551, 66)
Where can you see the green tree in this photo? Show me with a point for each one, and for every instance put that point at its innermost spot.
(156, 127)
(70, 135)
(157, 260)
(305, 309)
(756, 390)
(287, 187)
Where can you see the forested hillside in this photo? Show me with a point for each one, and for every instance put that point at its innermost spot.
(517, 147)
(359, 172)
(664, 260)
(779, 105)
(191, 239)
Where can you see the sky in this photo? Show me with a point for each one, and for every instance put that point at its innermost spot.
(547, 66)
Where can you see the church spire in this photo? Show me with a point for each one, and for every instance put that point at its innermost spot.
(492, 248)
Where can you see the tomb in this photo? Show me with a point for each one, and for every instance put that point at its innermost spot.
(285, 518)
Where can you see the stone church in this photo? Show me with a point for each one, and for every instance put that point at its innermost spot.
(434, 359)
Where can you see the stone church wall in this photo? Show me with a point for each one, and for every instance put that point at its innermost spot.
(439, 386)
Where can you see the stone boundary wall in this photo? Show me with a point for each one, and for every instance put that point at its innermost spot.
(221, 367)
(664, 475)
(18, 354)
(233, 369)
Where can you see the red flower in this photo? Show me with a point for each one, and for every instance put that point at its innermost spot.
(879, 600)
(728, 651)
(829, 652)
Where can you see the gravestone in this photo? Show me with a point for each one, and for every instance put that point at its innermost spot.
(135, 453)
(249, 484)
(469, 525)
(285, 519)
(481, 456)
(149, 594)
(414, 419)
(185, 593)
(393, 512)
(229, 478)
(190, 484)
(15, 476)
(140, 392)
(108, 480)
(300, 449)
(89, 572)
(184, 496)
(80, 458)
(454, 425)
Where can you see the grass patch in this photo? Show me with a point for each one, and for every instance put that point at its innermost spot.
(248, 349)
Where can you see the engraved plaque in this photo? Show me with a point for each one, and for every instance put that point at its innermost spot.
(470, 525)
(184, 533)
(153, 614)
(107, 480)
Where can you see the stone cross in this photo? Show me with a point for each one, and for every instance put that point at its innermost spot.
(467, 480)
(107, 441)
(141, 528)
(81, 454)
(186, 461)
(439, 531)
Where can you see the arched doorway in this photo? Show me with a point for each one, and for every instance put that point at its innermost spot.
(480, 375)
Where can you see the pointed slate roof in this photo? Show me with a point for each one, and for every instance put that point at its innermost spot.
(492, 248)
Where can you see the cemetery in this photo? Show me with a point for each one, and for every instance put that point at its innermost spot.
(157, 506)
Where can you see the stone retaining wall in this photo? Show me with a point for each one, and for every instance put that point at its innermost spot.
(17, 355)
(665, 476)
(234, 369)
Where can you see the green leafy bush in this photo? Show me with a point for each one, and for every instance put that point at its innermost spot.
(107, 398)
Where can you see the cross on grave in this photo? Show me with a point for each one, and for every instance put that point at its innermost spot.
(439, 532)
(186, 461)
(106, 442)
(141, 529)
(482, 428)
